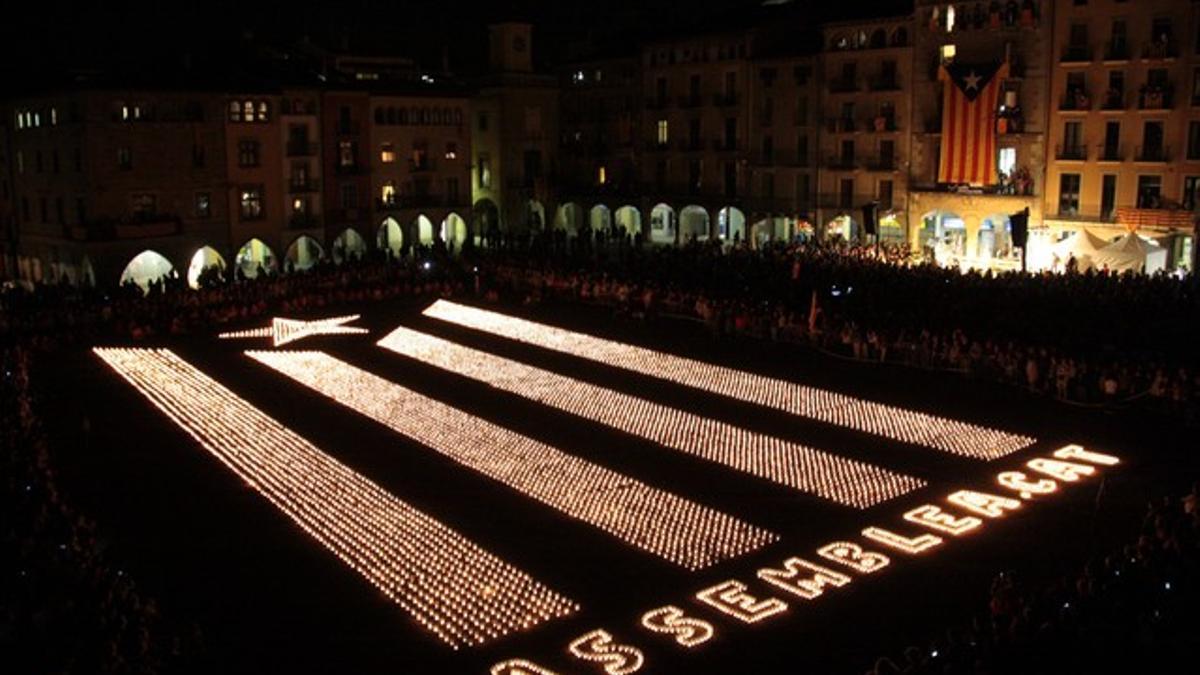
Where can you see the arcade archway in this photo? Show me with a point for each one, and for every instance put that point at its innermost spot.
(693, 223)
(205, 268)
(628, 218)
(390, 237)
(662, 224)
(254, 256)
(304, 253)
(348, 246)
(145, 268)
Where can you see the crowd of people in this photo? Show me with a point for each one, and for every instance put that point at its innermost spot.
(1092, 338)
(1131, 610)
(65, 606)
(1086, 338)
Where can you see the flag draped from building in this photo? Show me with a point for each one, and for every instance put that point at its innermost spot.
(969, 104)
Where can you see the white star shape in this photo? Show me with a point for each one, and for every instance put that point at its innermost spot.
(972, 81)
(283, 331)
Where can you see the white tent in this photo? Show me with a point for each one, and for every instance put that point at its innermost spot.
(1083, 245)
(1131, 252)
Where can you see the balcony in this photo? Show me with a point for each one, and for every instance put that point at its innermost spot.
(301, 149)
(136, 226)
(1116, 50)
(1071, 153)
(884, 124)
(1160, 51)
(842, 200)
(655, 146)
(1155, 98)
(891, 83)
(302, 186)
(691, 145)
(1152, 154)
(689, 101)
(656, 103)
(423, 165)
(882, 163)
(725, 100)
(725, 145)
(353, 169)
(1077, 54)
(843, 85)
(841, 163)
(1113, 100)
(1075, 101)
(348, 128)
(1110, 153)
(840, 125)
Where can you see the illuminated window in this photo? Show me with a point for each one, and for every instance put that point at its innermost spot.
(387, 193)
(252, 203)
(263, 112)
(387, 154)
(248, 153)
(54, 117)
(143, 204)
(1008, 161)
(452, 151)
(247, 111)
(299, 206)
(124, 159)
(235, 111)
(948, 53)
(663, 129)
(950, 18)
(602, 175)
(346, 154)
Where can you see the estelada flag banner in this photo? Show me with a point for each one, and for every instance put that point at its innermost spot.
(969, 103)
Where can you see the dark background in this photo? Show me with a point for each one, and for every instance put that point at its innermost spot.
(44, 41)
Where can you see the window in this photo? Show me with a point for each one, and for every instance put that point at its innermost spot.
(802, 111)
(252, 203)
(483, 121)
(235, 111)
(948, 52)
(846, 193)
(887, 189)
(1193, 140)
(768, 149)
(124, 159)
(21, 162)
(1068, 194)
(143, 204)
(203, 207)
(451, 190)
(485, 171)
(1191, 184)
(346, 154)
(1108, 196)
(387, 153)
(730, 179)
(601, 175)
(695, 176)
(533, 121)
(248, 153)
(802, 150)
(80, 211)
(349, 196)
(197, 156)
(803, 188)
(768, 185)
(387, 193)
(1149, 192)
(451, 150)
(263, 113)
(1196, 86)
(1072, 140)
(663, 136)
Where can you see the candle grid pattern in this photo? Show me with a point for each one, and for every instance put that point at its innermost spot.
(460, 592)
(827, 475)
(908, 426)
(674, 528)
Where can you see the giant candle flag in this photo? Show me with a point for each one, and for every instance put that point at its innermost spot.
(970, 97)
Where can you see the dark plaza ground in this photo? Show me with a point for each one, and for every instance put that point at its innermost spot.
(270, 599)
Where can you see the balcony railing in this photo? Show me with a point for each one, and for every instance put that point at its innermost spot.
(843, 85)
(840, 125)
(723, 145)
(1075, 101)
(656, 103)
(841, 200)
(882, 163)
(1110, 153)
(689, 101)
(885, 84)
(1113, 100)
(1155, 98)
(421, 165)
(301, 149)
(307, 185)
(348, 128)
(654, 146)
(1152, 153)
(841, 162)
(1072, 152)
(1157, 51)
(1077, 54)
(349, 169)
(691, 145)
(1116, 50)
(723, 100)
(884, 123)
(304, 221)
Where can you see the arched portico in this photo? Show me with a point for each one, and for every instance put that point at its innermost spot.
(253, 256)
(205, 266)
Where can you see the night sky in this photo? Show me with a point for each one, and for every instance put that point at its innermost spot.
(42, 40)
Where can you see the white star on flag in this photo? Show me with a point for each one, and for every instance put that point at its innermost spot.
(283, 331)
(972, 81)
